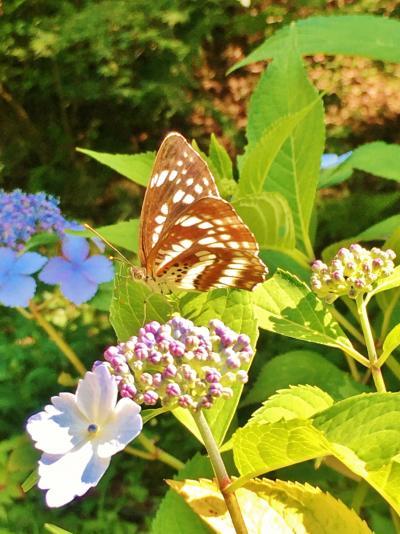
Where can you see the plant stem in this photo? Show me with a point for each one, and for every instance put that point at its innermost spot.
(369, 341)
(57, 338)
(359, 495)
(387, 315)
(155, 453)
(347, 325)
(221, 473)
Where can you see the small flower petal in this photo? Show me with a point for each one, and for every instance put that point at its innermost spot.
(57, 271)
(75, 248)
(125, 425)
(96, 394)
(59, 427)
(29, 263)
(98, 269)
(17, 290)
(78, 289)
(70, 475)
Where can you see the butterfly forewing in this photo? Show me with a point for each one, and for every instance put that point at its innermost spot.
(179, 177)
(190, 237)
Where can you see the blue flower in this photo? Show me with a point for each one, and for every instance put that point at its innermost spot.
(16, 286)
(332, 160)
(77, 274)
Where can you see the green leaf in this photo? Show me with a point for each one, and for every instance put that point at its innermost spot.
(148, 415)
(302, 367)
(363, 432)
(136, 167)
(260, 154)
(269, 217)
(377, 232)
(273, 506)
(378, 158)
(123, 234)
(234, 308)
(102, 299)
(391, 281)
(392, 341)
(285, 305)
(41, 239)
(134, 304)
(295, 170)
(356, 35)
(295, 402)
(54, 529)
(174, 515)
(219, 159)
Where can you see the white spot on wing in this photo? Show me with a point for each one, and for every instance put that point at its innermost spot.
(161, 178)
(233, 244)
(178, 196)
(189, 181)
(198, 188)
(205, 225)
(160, 219)
(186, 243)
(206, 241)
(164, 209)
(191, 221)
(172, 175)
(188, 199)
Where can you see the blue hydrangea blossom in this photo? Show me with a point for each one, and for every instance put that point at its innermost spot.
(77, 274)
(23, 215)
(333, 160)
(17, 287)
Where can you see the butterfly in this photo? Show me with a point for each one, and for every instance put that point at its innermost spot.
(190, 238)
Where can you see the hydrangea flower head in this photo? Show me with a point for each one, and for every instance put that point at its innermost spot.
(22, 215)
(180, 364)
(353, 271)
(79, 433)
(77, 274)
(17, 287)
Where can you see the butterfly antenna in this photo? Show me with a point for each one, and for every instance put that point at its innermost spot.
(121, 256)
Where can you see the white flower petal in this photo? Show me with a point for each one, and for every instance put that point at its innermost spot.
(70, 475)
(59, 428)
(122, 428)
(96, 394)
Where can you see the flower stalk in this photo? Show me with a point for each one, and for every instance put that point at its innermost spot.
(370, 344)
(57, 338)
(220, 472)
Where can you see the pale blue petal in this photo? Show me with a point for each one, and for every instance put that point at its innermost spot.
(29, 263)
(77, 288)
(98, 269)
(122, 428)
(7, 260)
(70, 475)
(57, 271)
(60, 427)
(96, 395)
(75, 248)
(332, 160)
(17, 290)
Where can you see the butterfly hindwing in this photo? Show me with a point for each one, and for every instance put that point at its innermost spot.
(190, 238)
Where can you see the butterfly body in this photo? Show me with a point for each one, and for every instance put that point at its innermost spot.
(191, 238)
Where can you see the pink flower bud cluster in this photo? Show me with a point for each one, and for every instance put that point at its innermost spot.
(180, 364)
(353, 271)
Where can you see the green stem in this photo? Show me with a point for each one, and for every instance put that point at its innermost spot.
(156, 453)
(359, 496)
(57, 338)
(370, 344)
(221, 473)
(347, 325)
(394, 366)
(387, 315)
(395, 520)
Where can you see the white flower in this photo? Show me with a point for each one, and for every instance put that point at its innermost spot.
(79, 433)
